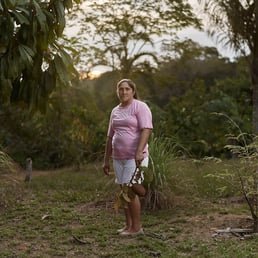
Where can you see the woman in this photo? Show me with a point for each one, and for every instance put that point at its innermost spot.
(129, 129)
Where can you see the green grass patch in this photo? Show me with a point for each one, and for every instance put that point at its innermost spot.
(58, 205)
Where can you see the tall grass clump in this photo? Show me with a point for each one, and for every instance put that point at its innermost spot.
(6, 164)
(162, 152)
(9, 184)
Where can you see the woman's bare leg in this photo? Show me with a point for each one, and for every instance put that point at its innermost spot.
(135, 214)
(128, 219)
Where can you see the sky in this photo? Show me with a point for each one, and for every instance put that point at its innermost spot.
(202, 37)
(198, 36)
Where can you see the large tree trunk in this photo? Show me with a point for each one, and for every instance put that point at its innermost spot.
(254, 72)
(255, 105)
(255, 90)
(255, 94)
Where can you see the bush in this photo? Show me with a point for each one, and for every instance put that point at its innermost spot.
(162, 152)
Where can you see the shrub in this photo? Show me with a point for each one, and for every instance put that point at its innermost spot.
(162, 152)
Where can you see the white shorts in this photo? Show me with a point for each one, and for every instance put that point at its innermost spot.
(124, 169)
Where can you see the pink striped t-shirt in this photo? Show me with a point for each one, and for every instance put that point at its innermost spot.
(125, 126)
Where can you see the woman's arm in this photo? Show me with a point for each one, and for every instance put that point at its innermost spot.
(144, 138)
(108, 152)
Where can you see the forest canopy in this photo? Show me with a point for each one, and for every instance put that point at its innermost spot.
(57, 119)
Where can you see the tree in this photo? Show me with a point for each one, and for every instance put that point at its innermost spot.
(185, 62)
(194, 83)
(32, 62)
(122, 34)
(235, 22)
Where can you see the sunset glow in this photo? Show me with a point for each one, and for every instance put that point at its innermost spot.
(94, 74)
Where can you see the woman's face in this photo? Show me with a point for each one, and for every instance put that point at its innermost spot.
(125, 93)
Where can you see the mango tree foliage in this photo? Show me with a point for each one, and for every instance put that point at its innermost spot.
(32, 62)
(123, 34)
(235, 22)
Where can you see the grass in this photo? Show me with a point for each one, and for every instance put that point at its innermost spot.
(57, 205)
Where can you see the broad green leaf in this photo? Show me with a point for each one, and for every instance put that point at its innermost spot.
(4, 67)
(40, 17)
(10, 3)
(26, 54)
(23, 9)
(13, 66)
(6, 88)
(61, 70)
(68, 62)
(48, 80)
(68, 4)
(60, 11)
(28, 29)
(20, 18)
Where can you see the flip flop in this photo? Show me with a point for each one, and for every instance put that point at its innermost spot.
(121, 230)
(127, 233)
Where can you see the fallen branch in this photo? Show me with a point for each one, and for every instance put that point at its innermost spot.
(238, 232)
(234, 230)
(154, 235)
(78, 240)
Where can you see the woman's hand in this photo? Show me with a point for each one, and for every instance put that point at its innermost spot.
(144, 137)
(106, 169)
(138, 158)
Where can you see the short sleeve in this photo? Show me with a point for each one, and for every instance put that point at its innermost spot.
(144, 116)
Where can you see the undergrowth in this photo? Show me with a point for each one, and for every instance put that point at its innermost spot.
(58, 207)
